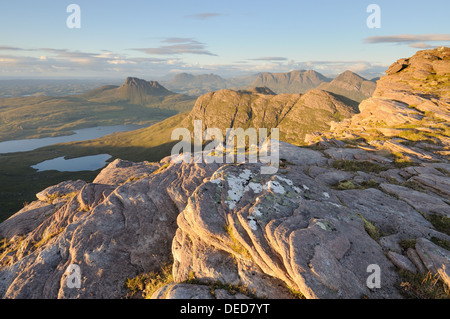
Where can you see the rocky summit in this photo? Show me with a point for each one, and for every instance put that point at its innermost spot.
(299, 81)
(370, 196)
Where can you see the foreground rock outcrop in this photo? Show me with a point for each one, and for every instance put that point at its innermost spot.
(330, 219)
(296, 230)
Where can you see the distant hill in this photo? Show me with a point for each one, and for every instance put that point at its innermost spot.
(49, 87)
(299, 81)
(294, 114)
(136, 101)
(196, 85)
(140, 92)
(351, 85)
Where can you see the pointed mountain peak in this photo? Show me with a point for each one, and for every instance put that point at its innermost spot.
(136, 82)
(142, 87)
(350, 76)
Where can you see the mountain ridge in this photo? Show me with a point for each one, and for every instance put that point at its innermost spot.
(350, 85)
(298, 81)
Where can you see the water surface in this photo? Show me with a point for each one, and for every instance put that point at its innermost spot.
(80, 135)
(85, 163)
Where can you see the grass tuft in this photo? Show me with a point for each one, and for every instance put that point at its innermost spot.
(144, 285)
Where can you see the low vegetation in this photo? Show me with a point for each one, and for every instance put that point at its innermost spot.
(423, 286)
(371, 229)
(346, 184)
(440, 222)
(363, 166)
(144, 285)
(48, 235)
(236, 246)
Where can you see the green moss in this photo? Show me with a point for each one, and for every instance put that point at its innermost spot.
(371, 229)
(363, 166)
(441, 223)
(441, 242)
(345, 184)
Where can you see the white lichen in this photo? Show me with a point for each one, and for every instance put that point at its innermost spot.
(257, 188)
(252, 223)
(287, 181)
(236, 187)
(256, 210)
(297, 189)
(275, 187)
(321, 225)
(216, 181)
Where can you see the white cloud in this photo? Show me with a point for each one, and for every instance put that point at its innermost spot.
(421, 45)
(417, 41)
(178, 46)
(204, 16)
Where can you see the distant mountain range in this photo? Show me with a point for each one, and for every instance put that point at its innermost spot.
(294, 114)
(291, 82)
(347, 84)
(196, 85)
(49, 87)
(134, 102)
(350, 85)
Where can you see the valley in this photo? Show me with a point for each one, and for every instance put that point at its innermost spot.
(159, 111)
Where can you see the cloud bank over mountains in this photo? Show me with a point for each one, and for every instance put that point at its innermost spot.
(176, 55)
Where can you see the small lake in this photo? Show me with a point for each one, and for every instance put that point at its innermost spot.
(80, 135)
(85, 163)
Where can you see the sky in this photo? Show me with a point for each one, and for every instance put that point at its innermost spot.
(154, 39)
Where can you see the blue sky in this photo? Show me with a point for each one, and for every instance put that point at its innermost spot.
(151, 39)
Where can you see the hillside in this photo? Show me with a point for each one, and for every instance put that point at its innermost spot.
(294, 114)
(136, 91)
(350, 85)
(368, 195)
(135, 102)
(46, 87)
(196, 85)
(298, 81)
